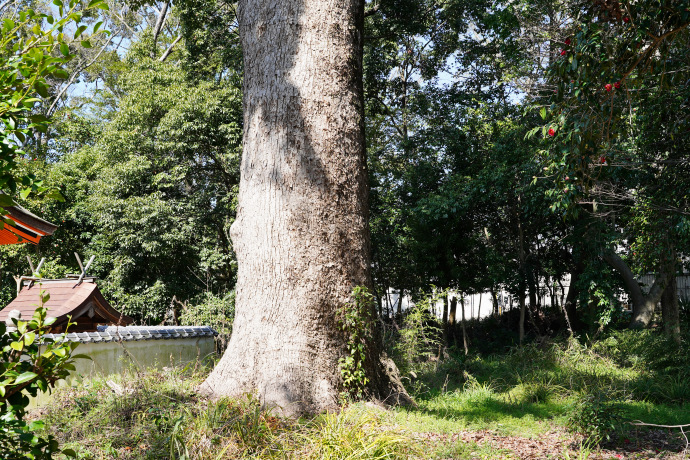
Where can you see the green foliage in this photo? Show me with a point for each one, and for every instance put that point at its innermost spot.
(419, 338)
(212, 310)
(146, 154)
(29, 363)
(150, 189)
(594, 415)
(33, 51)
(615, 137)
(356, 322)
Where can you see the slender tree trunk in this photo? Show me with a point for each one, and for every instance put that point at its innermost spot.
(479, 308)
(465, 342)
(453, 309)
(301, 234)
(445, 309)
(523, 274)
(570, 303)
(400, 299)
(561, 301)
(494, 299)
(521, 300)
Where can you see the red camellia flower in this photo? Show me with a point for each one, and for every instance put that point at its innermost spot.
(626, 19)
(552, 132)
(608, 87)
(603, 160)
(617, 85)
(562, 52)
(567, 41)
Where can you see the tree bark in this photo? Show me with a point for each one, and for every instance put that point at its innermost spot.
(643, 305)
(570, 302)
(670, 309)
(494, 300)
(453, 310)
(301, 234)
(465, 342)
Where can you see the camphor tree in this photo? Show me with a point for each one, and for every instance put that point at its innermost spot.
(301, 234)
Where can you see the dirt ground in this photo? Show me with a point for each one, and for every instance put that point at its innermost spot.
(646, 444)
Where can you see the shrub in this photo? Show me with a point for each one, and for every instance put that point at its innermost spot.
(212, 310)
(29, 362)
(594, 415)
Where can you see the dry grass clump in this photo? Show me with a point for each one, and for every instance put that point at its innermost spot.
(155, 415)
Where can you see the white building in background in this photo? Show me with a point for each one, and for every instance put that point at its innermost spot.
(481, 305)
(476, 305)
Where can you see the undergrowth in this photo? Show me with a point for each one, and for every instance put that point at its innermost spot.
(156, 415)
(592, 389)
(586, 392)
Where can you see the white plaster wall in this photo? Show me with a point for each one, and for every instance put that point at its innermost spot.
(112, 358)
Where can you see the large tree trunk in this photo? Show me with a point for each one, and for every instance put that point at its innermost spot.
(301, 234)
(643, 305)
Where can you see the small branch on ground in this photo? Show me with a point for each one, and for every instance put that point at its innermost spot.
(680, 427)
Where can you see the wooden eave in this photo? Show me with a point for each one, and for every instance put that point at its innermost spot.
(82, 303)
(23, 226)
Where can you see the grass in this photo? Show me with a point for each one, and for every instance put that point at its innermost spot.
(529, 392)
(159, 416)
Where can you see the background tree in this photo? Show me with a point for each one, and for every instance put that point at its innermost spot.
(149, 169)
(615, 148)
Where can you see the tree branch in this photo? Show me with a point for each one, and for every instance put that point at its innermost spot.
(74, 75)
(169, 50)
(615, 261)
(5, 4)
(680, 427)
(371, 11)
(159, 23)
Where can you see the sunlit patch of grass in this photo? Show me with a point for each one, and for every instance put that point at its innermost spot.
(660, 414)
(356, 433)
(479, 408)
(531, 389)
